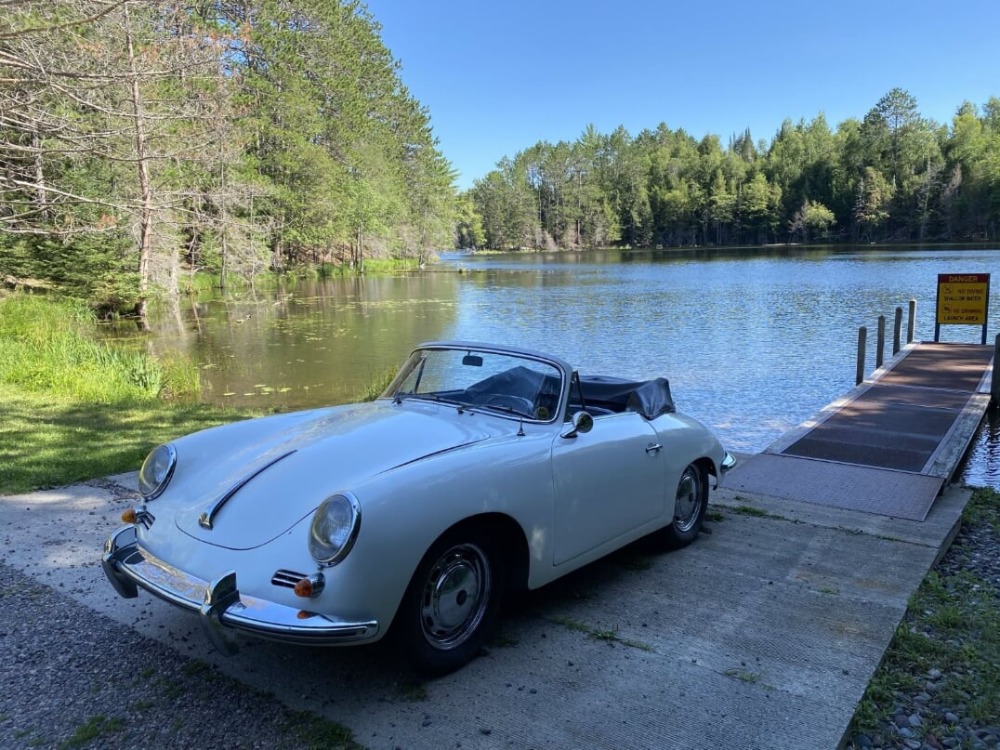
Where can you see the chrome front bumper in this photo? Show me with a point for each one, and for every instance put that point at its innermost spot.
(727, 464)
(219, 603)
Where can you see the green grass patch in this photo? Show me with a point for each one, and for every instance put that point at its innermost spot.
(47, 346)
(51, 441)
(749, 510)
(75, 408)
(377, 383)
(92, 729)
(412, 691)
(743, 675)
(952, 625)
(318, 733)
(610, 637)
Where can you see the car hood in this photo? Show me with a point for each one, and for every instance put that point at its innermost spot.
(254, 480)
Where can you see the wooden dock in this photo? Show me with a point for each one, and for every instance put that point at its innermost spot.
(888, 446)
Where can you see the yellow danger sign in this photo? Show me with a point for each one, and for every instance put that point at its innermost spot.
(963, 299)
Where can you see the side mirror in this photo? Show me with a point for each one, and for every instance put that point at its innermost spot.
(581, 424)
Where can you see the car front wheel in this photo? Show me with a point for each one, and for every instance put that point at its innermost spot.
(451, 602)
(690, 505)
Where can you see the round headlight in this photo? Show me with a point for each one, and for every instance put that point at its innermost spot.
(334, 529)
(156, 471)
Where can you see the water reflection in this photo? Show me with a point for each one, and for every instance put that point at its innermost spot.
(310, 343)
(754, 341)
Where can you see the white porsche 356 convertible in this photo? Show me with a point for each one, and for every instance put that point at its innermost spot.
(479, 469)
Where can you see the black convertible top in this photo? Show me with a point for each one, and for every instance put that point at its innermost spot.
(650, 398)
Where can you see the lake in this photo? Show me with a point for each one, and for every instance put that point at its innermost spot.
(753, 341)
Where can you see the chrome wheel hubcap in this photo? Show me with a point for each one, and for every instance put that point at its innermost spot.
(689, 500)
(455, 596)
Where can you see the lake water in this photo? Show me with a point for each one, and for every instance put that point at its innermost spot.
(753, 342)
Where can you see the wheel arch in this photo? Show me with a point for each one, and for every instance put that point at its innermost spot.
(707, 465)
(510, 538)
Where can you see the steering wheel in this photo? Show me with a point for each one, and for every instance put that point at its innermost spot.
(517, 404)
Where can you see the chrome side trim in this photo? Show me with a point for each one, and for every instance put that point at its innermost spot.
(219, 603)
(207, 519)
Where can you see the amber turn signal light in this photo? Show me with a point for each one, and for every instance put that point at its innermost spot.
(304, 588)
(129, 516)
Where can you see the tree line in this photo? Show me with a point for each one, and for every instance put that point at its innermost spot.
(144, 139)
(892, 176)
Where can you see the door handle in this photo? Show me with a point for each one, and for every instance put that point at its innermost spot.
(653, 447)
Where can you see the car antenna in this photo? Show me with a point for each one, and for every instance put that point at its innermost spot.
(520, 427)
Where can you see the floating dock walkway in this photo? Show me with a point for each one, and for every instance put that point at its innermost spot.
(890, 445)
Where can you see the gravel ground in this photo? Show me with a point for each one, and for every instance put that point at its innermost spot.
(936, 709)
(75, 679)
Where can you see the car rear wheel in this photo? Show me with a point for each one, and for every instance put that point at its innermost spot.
(690, 504)
(451, 602)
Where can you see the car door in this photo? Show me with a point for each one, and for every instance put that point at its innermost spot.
(607, 482)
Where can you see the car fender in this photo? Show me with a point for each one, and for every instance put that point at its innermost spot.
(404, 511)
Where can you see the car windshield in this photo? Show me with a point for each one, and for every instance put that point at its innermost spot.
(496, 381)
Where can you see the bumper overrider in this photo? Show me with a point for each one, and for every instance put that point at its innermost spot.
(218, 603)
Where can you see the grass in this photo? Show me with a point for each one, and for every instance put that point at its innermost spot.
(51, 441)
(377, 383)
(93, 728)
(952, 625)
(318, 733)
(754, 512)
(610, 637)
(47, 346)
(75, 408)
(412, 691)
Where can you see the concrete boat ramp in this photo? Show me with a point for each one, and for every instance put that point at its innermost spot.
(762, 634)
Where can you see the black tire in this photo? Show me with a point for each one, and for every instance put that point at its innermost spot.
(451, 602)
(690, 504)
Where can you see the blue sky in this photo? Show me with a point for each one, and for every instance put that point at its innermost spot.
(497, 77)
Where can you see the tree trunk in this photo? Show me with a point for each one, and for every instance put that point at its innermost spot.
(145, 189)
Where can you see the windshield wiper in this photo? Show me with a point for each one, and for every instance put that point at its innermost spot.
(436, 398)
(422, 397)
(504, 408)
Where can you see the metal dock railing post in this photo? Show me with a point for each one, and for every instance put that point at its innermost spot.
(897, 326)
(880, 342)
(995, 381)
(862, 340)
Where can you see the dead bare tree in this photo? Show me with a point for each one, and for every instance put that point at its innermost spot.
(112, 120)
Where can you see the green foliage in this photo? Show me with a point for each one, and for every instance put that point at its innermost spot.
(891, 176)
(47, 345)
(258, 136)
(377, 383)
(74, 407)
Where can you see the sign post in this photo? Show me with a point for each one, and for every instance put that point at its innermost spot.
(962, 299)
